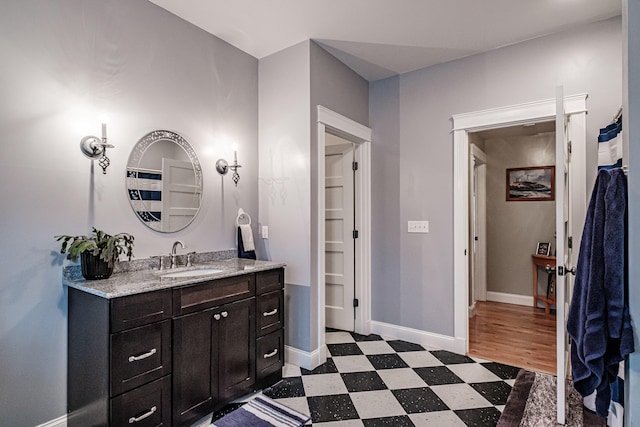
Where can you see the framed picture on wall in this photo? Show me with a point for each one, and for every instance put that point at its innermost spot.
(534, 183)
(543, 248)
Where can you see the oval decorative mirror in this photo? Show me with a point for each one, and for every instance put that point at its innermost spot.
(164, 181)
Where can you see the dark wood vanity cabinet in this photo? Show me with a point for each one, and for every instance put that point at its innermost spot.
(172, 356)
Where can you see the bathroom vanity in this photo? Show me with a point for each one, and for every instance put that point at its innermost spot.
(146, 349)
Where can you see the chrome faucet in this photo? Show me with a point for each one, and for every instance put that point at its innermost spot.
(173, 252)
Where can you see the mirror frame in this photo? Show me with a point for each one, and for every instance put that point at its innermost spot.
(137, 153)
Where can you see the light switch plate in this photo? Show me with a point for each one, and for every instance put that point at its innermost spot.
(418, 226)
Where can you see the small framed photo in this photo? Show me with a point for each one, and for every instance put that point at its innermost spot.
(535, 183)
(543, 248)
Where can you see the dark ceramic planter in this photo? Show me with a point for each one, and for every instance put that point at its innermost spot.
(93, 267)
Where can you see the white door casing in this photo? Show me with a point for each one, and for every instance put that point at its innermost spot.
(478, 242)
(361, 136)
(339, 242)
(539, 111)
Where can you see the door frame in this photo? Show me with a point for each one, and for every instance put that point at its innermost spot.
(350, 130)
(463, 124)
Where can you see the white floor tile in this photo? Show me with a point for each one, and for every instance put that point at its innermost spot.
(376, 404)
(353, 364)
(460, 396)
(510, 382)
(338, 337)
(345, 423)
(473, 373)
(290, 371)
(437, 418)
(323, 384)
(375, 347)
(500, 408)
(396, 379)
(297, 404)
(420, 359)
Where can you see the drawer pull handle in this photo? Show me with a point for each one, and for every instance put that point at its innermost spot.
(143, 356)
(143, 416)
(216, 316)
(273, 353)
(225, 314)
(270, 313)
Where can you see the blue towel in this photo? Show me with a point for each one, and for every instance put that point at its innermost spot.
(599, 322)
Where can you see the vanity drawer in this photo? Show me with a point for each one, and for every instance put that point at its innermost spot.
(269, 354)
(189, 299)
(140, 355)
(268, 281)
(141, 309)
(269, 312)
(146, 406)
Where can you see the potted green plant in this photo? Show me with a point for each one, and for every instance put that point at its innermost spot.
(97, 252)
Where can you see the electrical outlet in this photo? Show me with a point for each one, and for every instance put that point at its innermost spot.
(265, 232)
(418, 226)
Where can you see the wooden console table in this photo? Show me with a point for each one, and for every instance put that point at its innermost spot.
(542, 261)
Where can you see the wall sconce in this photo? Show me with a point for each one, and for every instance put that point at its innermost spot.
(96, 148)
(222, 166)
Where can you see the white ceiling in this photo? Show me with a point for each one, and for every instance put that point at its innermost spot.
(381, 38)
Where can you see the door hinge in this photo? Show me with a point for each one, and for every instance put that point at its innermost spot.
(355, 234)
(354, 166)
(569, 146)
(570, 242)
(356, 302)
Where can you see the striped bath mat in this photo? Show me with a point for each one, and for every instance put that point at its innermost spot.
(262, 412)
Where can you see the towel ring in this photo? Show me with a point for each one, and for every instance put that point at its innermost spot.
(243, 216)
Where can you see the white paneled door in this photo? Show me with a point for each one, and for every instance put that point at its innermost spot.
(180, 195)
(339, 229)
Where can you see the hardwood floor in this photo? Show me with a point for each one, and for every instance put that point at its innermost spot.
(515, 335)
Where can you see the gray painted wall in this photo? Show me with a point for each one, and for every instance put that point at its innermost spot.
(386, 229)
(587, 59)
(632, 131)
(63, 63)
(515, 227)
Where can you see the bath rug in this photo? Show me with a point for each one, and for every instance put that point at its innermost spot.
(262, 412)
(532, 403)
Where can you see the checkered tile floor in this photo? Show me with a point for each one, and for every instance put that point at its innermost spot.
(369, 381)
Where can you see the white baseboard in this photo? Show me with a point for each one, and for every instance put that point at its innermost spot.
(510, 298)
(443, 342)
(472, 310)
(305, 359)
(58, 422)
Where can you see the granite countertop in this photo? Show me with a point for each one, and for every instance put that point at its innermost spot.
(146, 280)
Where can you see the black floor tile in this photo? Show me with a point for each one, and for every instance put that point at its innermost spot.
(449, 358)
(505, 372)
(401, 346)
(224, 411)
(327, 367)
(288, 387)
(398, 421)
(347, 349)
(481, 417)
(438, 375)
(386, 361)
(335, 407)
(370, 337)
(495, 392)
(415, 400)
(332, 330)
(363, 381)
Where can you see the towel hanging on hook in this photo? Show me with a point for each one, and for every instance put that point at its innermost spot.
(246, 246)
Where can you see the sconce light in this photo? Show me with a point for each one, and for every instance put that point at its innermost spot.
(96, 148)
(222, 166)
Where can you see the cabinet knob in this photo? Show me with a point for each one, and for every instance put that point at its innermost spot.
(225, 314)
(216, 316)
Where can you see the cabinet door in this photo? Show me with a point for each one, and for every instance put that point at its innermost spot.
(195, 376)
(236, 348)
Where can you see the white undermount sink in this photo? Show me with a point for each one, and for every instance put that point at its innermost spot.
(193, 273)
